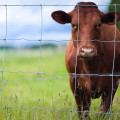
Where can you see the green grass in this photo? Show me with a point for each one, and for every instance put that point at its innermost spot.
(50, 93)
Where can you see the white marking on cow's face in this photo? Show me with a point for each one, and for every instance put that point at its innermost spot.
(87, 50)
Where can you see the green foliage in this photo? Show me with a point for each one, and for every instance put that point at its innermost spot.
(20, 94)
(7, 48)
(52, 46)
(112, 8)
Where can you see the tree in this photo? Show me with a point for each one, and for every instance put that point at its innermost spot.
(112, 8)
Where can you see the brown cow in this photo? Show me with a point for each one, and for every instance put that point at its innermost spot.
(92, 31)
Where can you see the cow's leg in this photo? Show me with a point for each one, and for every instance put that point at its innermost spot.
(105, 104)
(77, 94)
(108, 96)
(86, 104)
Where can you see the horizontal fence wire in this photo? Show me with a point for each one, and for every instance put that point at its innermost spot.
(25, 5)
(57, 110)
(55, 75)
(45, 40)
(74, 74)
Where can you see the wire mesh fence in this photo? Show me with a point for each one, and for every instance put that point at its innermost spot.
(41, 76)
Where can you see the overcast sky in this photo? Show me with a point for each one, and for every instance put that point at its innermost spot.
(25, 22)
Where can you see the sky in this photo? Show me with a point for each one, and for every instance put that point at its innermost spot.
(29, 22)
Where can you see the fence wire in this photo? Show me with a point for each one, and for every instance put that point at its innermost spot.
(39, 64)
(44, 40)
(34, 108)
(4, 57)
(76, 67)
(46, 5)
(113, 60)
(58, 75)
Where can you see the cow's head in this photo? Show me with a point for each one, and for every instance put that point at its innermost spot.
(86, 21)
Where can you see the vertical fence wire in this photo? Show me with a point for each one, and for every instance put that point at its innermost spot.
(113, 66)
(76, 65)
(2, 85)
(39, 64)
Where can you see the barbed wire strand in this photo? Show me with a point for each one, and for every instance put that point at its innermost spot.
(3, 60)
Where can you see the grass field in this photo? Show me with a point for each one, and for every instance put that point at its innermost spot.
(23, 90)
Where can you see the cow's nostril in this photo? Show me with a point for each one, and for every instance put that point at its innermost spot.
(87, 50)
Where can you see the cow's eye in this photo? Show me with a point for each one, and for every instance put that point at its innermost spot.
(98, 26)
(74, 26)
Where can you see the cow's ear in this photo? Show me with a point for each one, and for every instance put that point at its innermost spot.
(61, 17)
(110, 18)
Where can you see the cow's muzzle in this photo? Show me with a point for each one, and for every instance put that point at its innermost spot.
(87, 52)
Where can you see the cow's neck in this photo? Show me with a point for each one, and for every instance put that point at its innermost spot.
(92, 65)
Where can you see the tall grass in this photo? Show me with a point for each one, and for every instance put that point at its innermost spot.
(22, 92)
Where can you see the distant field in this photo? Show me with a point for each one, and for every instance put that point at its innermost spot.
(23, 89)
